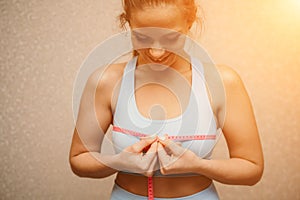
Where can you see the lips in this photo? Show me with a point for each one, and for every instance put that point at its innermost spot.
(159, 60)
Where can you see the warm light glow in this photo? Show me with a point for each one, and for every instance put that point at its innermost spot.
(284, 13)
(292, 7)
(297, 3)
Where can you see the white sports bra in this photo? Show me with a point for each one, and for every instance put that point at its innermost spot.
(197, 119)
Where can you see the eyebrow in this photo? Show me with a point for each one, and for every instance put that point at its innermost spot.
(173, 33)
(138, 33)
(168, 34)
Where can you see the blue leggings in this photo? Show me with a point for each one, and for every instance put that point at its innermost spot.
(209, 193)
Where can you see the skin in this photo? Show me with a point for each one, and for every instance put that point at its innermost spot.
(245, 165)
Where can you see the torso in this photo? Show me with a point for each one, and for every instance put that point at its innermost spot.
(163, 186)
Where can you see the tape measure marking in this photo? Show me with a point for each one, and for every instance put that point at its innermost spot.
(175, 138)
(150, 189)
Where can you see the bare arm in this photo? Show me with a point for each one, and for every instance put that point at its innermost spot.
(246, 164)
(94, 118)
(92, 122)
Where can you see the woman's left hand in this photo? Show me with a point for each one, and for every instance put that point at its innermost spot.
(174, 159)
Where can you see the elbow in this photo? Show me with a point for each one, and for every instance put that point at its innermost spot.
(253, 181)
(249, 176)
(76, 172)
(75, 168)
(256, 176)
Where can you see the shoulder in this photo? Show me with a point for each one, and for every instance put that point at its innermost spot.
(106, 77)
(230, 78)
(236, 95)
(220, 73)
(223, 83)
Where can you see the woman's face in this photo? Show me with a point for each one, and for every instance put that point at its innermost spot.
(158, 33)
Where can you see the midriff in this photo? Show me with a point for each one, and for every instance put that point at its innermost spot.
(164, 187)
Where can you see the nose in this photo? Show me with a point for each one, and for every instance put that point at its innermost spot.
(156, 52)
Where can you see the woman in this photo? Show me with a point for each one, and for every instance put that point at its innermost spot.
(163, 79)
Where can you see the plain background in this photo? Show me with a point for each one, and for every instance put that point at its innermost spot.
(43, 44)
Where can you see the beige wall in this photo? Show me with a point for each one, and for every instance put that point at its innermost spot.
(43, 44)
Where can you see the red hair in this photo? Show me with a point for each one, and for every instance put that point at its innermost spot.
(188, 7)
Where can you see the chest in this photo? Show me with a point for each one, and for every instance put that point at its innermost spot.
(163, 94)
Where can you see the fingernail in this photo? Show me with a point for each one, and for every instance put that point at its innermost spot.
(162, 137)
(150, 136)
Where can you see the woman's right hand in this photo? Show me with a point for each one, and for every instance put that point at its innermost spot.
(140, 157)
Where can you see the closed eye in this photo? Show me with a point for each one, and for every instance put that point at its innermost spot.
(172, 37)
(142, 38)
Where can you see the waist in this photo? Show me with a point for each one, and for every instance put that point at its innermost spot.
(164, 187)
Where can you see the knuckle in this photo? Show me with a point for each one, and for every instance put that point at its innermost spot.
(148, 174)
(163, 171)
(166, 170)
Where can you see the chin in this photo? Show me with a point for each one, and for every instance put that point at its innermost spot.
(167, 60)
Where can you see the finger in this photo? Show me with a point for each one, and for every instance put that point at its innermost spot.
(156, 165)
(148, 174)
(164, 140)
(139, 146)
(164, 159)
(149, 137)
(171, 147)
(162, 154)
(153, 148)
(151, 153)
(152, 141)
(149, 160)
(152, 167)
(179, 144)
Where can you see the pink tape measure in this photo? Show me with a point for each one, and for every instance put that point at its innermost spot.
(175, 138)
